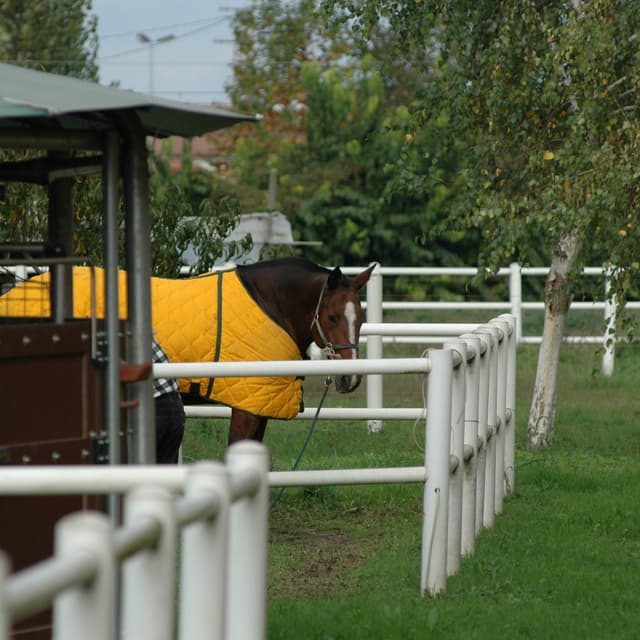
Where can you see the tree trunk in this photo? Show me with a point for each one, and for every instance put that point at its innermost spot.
(557, 296)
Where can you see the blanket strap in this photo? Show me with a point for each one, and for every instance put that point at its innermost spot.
(216, 357)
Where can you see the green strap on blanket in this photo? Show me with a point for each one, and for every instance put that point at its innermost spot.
(216, 357)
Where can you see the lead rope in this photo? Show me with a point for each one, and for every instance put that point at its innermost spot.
(327, 384)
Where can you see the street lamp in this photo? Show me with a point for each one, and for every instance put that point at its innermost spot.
(145, 39)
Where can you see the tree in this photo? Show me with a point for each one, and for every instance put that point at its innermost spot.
(543, 94)
(353, 136)
(58, 37)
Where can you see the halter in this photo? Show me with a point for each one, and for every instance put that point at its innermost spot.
(329, 349)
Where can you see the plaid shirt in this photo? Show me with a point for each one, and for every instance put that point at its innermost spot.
(162, 386)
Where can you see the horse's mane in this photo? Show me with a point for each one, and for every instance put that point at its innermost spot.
(293, 271)
(293, 261)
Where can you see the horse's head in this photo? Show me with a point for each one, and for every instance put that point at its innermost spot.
(336, 323)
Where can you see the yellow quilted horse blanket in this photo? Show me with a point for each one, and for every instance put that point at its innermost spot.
(186, 318)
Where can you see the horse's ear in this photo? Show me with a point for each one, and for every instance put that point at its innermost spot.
(335, 278)
(362, 278)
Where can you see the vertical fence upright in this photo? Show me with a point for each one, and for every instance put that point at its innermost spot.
(501, 410)
(510, 438)
(488, 518)
(203, 577)
(374, 346)
(86, 610)
(483, 404)
(458, 395)
(515, 296)
(433, 575)
(472, 369)
(248, 537)
(148, 590)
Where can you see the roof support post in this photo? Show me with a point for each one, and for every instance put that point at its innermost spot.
(110, 198)
(61, 236)
(138, 262)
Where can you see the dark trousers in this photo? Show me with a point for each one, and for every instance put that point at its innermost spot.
(169, 427)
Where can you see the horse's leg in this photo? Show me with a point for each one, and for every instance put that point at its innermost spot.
(246, 426)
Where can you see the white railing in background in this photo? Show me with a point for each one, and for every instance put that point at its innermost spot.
(515, 306)
(375, 306)
(223, 564)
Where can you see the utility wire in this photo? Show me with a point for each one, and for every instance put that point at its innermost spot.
(177, 37)
(128, 34)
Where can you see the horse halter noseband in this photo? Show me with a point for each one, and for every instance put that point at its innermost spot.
(329, 349)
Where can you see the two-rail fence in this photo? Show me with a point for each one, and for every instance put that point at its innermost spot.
(468, 469)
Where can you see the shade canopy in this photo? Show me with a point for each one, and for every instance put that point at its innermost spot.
(61, 115)
(30, 100)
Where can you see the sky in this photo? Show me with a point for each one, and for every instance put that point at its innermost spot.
(194, 66)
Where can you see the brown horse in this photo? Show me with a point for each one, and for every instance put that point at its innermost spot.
(312, 304)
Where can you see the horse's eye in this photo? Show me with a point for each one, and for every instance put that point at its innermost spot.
(333, 319)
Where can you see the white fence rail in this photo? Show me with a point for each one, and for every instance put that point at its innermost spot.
(468, 469)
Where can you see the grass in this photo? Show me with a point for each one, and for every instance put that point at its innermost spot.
(563, 560)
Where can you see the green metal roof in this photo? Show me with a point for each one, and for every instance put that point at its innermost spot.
(31, 98)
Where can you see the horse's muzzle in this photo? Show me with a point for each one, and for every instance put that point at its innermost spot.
(346, 384)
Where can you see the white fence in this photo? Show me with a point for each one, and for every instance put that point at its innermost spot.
(468, 469)
(224, 514)
(469, 433)
(514, 305)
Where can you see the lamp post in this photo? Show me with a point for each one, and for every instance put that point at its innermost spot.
(145, 39)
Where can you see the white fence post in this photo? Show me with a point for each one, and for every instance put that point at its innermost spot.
(610, 317)
(510, 434)
(203, 580)
(374, 347)
(515, 296)
(470, 468)
(501, 410)
(488, 517)
(433, 575)
(149, 577)
(87, 610)
(248, 539)
(484, 376)
(4, 613)
(456, 447)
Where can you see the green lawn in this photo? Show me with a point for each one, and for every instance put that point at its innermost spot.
(563, 560)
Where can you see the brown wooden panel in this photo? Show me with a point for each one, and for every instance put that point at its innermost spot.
(49, 386)
(51, 399)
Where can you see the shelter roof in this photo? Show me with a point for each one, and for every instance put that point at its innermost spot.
(31, 99)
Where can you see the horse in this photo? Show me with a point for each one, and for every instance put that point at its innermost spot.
(312, 304)
(270, 310)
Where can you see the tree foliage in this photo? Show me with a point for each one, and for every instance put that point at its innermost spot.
(543, 97)
(58, 37)
(339, 129)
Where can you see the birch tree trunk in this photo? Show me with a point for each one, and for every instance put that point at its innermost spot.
(557, 296)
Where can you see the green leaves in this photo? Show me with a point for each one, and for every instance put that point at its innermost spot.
(540, 100)
(69, 46)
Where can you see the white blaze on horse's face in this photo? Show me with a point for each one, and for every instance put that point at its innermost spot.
(344, 384)
(351, 316)
(336, 324)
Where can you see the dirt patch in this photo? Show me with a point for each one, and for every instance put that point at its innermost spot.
(312, 563)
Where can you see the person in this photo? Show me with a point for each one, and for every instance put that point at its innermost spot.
(169, 413)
